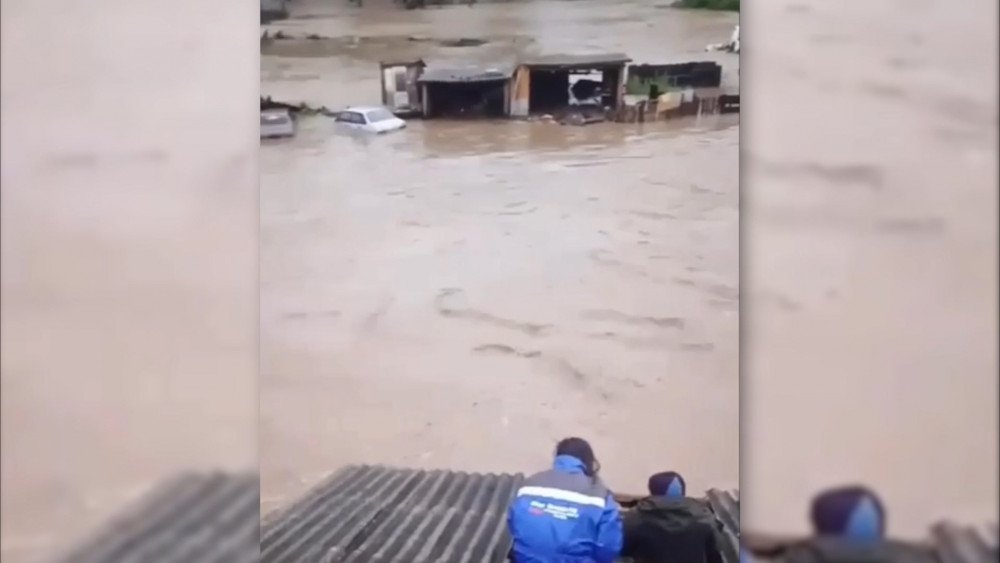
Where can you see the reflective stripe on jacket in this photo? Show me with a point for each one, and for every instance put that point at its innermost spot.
(564, 516)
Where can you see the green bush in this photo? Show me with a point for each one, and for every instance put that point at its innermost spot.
(730, 5)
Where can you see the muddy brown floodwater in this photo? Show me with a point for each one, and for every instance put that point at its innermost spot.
(870, 201)
(463, 294)
(128, 346)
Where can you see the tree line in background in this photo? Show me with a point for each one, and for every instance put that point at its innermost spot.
(727, 5)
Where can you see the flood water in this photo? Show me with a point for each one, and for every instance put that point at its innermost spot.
(129, 346)
(870, 208)
(463, 294)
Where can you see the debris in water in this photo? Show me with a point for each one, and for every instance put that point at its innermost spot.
(462, 42)
(301, 108)
(731, 46)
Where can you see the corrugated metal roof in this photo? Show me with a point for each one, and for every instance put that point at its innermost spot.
(467, 74)
(965, 544)
(203, 517)
(726, 505)
(581, 61)
(373, 513)
(948, 543)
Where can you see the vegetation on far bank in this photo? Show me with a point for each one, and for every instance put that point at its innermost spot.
(727, 5)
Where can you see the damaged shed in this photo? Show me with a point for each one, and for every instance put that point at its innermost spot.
(552, 83)
(466, 92)
(400, 87)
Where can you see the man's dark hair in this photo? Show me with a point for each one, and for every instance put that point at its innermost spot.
(581, 450)
(667, 483)
(832, 509)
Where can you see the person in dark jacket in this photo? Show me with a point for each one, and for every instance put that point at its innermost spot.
(849, 525)
(670, 527)
(565, 514)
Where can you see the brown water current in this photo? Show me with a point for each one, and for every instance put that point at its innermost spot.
(869, 253)
(444, 298)
(464, 294)
(128, 345)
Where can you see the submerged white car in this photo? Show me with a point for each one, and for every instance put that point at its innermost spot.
(275, 123)
(370, 119)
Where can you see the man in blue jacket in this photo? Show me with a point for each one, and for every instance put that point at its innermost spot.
(565, 514)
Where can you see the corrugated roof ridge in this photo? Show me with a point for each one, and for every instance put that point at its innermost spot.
(726, 506)
(192, 514)
(277, 528)
(957, 543)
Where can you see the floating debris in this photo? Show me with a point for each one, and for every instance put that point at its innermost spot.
(731, 46)
(300, 108)
(463, 42)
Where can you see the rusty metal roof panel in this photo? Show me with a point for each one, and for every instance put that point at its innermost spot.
(577, 61)
(374, 513)
(205, 517)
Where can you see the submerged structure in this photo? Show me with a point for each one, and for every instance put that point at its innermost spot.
(400, 90)
(552, 83)
(656, 92)
(653, 80)
(543, 85)
(466, 92)
(569, 88)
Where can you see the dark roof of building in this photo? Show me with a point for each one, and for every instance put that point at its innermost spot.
(683, 67)
(467, 74)
(577, 61)
(402, 62)
(373, 513)
(191, 517)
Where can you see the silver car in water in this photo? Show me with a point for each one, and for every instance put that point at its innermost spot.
(276, 123)
(369, 119)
